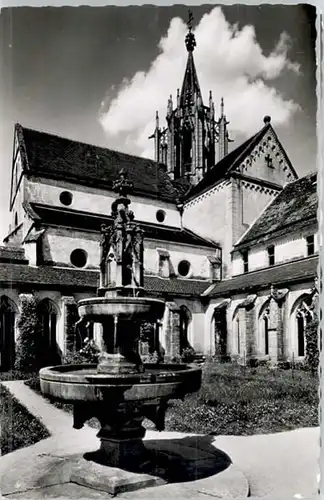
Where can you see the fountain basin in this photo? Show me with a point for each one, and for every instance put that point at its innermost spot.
(82, 383)
(97, 309)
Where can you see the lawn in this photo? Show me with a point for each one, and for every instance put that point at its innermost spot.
(237, 401)
(18, 427)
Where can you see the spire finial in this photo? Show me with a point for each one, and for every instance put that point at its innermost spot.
(190, 40)
(222, 106)
(190, 19)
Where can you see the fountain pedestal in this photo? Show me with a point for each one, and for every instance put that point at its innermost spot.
(121, 438)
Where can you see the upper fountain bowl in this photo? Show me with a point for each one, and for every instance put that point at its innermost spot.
(130, 308)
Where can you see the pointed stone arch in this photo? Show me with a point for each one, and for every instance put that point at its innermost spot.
(301, 314)
(48, 314)
(185, 323)
(263, 328)
(8, 314)
(219, 328)
(238, 330)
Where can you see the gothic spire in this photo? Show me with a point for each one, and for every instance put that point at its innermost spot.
(190, 86)
(223, 137)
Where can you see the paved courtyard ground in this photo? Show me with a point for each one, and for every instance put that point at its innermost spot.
(276, 465)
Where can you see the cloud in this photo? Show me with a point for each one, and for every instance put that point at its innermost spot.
(229, 61)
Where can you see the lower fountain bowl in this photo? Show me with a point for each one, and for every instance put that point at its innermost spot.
(82, 383)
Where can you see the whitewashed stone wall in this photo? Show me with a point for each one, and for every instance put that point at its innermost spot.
(90, 199)
(287, 248)
(59, 243)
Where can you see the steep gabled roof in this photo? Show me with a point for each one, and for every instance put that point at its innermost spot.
(55, 157)
(230, 163)
(293, 208)
(59, 216)
(282, 274)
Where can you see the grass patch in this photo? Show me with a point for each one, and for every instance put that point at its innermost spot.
(18, 427)
(15, 375)
(234, 401)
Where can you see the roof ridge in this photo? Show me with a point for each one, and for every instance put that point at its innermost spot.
(77, 141)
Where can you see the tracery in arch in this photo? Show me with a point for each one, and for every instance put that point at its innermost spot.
(302, 314)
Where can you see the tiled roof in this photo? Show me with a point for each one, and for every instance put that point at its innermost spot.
(175, 286)
(294, 208)
(86, 220)
(12, 254)
(58, 278)
(48, 276)
(231, 161)
(290, 272)
(59, 158)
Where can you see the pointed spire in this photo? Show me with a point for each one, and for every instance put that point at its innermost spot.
(170, 106)
(190, 84)
(222, 107)
(223, 138)
(157, 121)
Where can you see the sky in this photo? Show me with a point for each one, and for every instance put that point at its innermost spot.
(98, 74)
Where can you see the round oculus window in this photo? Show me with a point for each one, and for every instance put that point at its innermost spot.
(184, 268)
(160, 215)
(66, 198)
(78, 257)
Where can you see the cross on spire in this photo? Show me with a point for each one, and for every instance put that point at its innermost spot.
(190, 19)
(190, 40)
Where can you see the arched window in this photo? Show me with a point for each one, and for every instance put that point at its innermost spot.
(264, 329)
(237, 328)
(7, 333)
(185, 319)
(238, 335)
(302, 314)
(47, 315)
(220, 330)
(266, 334)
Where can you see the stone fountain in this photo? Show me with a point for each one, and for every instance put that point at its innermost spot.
(120, 391)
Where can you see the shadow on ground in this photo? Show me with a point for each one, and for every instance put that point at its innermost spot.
(178, 460)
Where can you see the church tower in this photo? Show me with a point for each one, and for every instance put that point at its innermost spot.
(187, 145)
